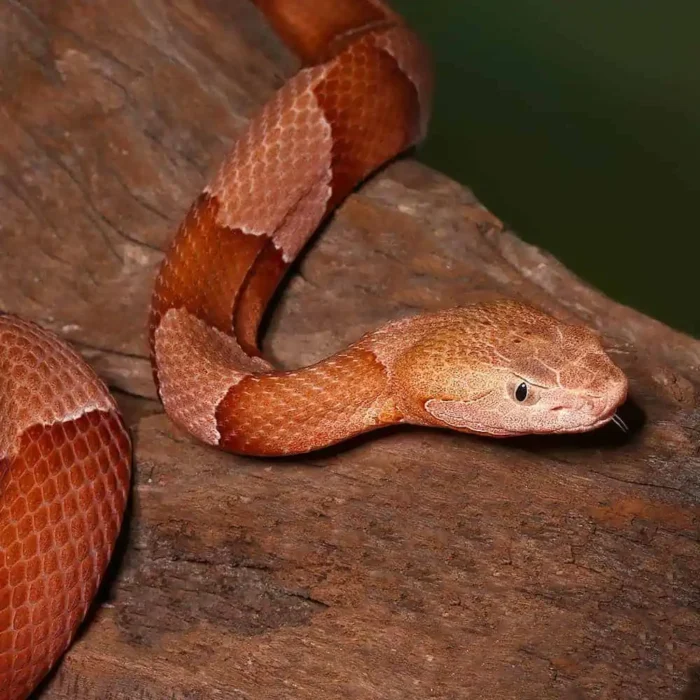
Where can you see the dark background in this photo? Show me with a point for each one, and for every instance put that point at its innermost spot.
(578, 124)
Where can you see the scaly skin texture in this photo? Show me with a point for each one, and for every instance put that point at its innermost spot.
(364, 96)
(64, 478)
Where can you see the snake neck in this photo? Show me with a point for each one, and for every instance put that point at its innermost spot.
(210, 387)
(302, 410)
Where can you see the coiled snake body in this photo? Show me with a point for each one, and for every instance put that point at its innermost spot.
(499, 368)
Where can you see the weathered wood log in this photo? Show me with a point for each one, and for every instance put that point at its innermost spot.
(408, 564)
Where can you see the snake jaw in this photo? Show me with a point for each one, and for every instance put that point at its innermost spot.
(453, 415)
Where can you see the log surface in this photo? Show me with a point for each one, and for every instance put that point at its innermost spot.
(409, 564)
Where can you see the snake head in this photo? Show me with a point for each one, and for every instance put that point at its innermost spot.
(504, 368)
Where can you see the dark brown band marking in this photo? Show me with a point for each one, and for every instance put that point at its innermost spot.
(205, 268)
(260, 285)
(372, 108)
(286, 412)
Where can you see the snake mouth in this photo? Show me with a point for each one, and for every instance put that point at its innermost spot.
(597, 423)
(445, 414)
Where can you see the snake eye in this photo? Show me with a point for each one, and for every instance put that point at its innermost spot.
(521, 392)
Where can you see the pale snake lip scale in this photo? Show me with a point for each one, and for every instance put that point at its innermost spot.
(500, 368)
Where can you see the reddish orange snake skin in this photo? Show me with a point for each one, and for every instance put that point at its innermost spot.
(500, 368)
(64, 478)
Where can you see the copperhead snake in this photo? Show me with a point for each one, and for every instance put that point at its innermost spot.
(499, 368)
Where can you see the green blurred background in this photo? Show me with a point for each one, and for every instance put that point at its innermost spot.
(578, 123)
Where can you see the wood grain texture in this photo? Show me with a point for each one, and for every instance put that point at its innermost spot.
(416, 564)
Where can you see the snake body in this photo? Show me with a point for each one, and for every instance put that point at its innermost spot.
(363, 97)
(65, 461)
(499, 368)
